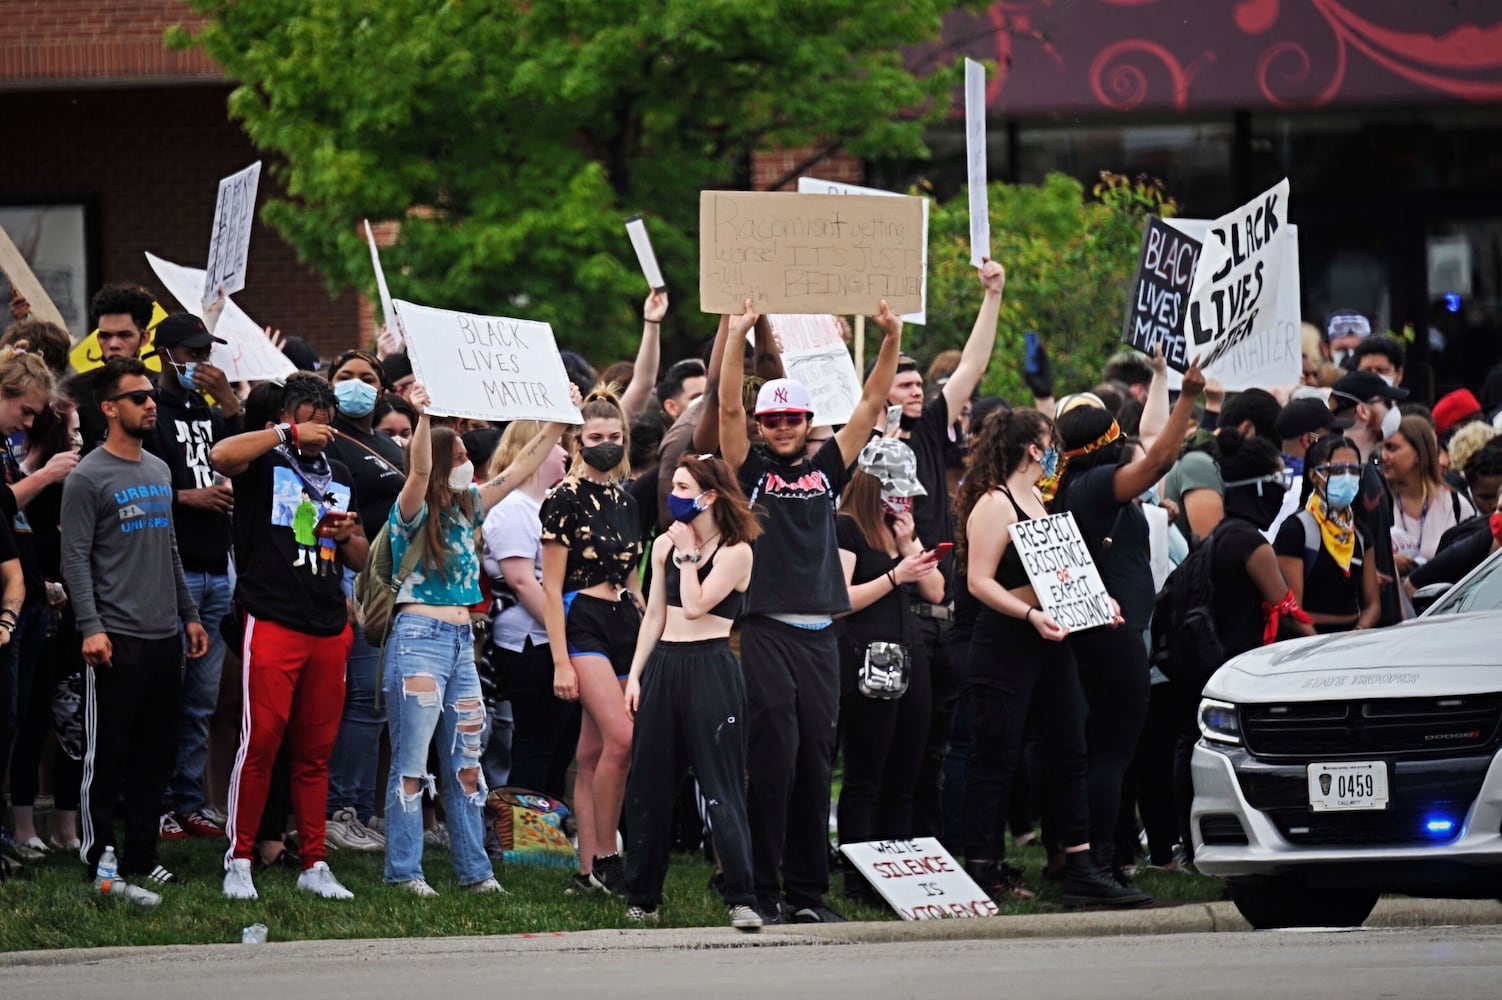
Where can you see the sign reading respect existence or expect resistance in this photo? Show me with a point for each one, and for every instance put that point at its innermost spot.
(1062, 572)
(814, 354)
(919, 879)
(809, 253)
(486, 367)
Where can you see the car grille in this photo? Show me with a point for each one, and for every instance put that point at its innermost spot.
(1389, 827)
(1322, 729)
(1223, 829)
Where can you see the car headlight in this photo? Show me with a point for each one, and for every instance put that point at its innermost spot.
(1218, 722)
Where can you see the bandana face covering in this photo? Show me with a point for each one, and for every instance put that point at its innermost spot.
(1049, 484)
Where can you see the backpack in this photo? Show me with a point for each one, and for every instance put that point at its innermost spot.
(528, 828)
(1185, 643)
(376, 588)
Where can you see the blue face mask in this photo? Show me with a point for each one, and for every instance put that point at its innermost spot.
(684, 509)
(1151, 496)
(1050, 462)
(356, 398)
(1341, 490)
(185, 374)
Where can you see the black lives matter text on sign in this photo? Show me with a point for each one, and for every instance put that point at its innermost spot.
(1062, 572)
(1160, 293)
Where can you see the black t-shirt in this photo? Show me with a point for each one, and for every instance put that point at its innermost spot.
(1238, 601)
(20, 525)
(287, 574)
(1456, 560)
(797, 566)
(1328, 589)
(378, 480)
(598, 524)
(1123, 565)
(885, 619)
(1373, 510)
(185, 431)
(45, 513)
(7, 543)
(643, 490)
(933, 515)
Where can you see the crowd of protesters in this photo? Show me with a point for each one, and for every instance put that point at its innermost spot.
(695, 580)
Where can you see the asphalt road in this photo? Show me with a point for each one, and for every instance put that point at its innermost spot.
(1420, 962)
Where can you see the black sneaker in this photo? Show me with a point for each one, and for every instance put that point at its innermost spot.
(610, 874)
(772, 912)
(581, 885)
(1092, 886)
(160, 877)
(817, 915)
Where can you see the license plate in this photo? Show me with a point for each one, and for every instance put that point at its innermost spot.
(1348, 786)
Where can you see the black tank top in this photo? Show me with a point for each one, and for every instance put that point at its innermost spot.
(672, 579)
(1010, 572)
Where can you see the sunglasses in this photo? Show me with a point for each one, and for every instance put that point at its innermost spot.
(137, 397)
(782, 419)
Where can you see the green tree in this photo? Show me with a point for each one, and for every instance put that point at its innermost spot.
(1069, 261)
(526, 132)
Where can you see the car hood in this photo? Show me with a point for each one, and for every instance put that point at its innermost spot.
(1449, 654)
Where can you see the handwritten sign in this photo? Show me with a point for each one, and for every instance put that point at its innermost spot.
(919, 879)
(809, 253)
(247, 354)
(23, 280)
(815, 185)
(486, 367)
(975, 161)
(229, 242)
(393, 322)
(636, 228)
(814, 353)
(1160, 292)
(1237, 277)
(1062, 572)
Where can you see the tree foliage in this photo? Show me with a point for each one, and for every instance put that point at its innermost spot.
(526, 132)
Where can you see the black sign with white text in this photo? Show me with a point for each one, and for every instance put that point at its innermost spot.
(1160, 293)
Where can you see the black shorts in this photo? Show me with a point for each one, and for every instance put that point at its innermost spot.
(596, 627)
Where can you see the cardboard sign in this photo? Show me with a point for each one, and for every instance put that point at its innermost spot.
(1160, 293)
(814, 353)
(1274, 358)
(636, 228)
(975, 161)
(393, 322)
(229, 241)
(1062, 572)
(23, 280)
(248, 355)
(919, 879)
(809, 253)
(486, 367)
(814, 185)
(1237, 278)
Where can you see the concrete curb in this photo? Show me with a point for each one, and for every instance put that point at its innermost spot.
(1190, 918)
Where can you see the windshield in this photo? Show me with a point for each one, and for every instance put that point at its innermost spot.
(1481, 591)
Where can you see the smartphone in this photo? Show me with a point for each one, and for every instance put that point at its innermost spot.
(332, 522)
(1033, 347)
(943, 549)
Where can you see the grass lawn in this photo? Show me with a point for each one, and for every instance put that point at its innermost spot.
(53, 907)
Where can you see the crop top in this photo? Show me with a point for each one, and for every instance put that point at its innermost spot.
(1010, 572)
(598, 525)
(672, 576)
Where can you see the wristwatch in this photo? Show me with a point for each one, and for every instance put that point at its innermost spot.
(680, 558)
(283, 432)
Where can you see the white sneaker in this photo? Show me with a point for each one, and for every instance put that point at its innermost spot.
(745, 918)
(345, 830)
(237, 881)
(419, 887)
(321, 882)
(489, 885)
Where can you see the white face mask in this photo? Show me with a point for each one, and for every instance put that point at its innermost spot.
(1390, 422)
(462, 477)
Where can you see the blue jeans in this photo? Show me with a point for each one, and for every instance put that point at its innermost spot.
(200, 692)
(496, 760)
(352, 767)
(431, 681)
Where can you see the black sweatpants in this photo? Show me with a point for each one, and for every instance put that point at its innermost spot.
(692, 714)
(1153, 784)
(545, 729)
(944, 678)
(884, 740)
(792, 709)
(130, 732)
(1114, 675)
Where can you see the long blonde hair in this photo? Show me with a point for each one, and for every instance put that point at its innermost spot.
(513, 439)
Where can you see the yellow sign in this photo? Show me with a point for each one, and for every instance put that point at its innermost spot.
(85, 354)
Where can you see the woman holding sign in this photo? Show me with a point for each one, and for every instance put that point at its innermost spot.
(1019, 664)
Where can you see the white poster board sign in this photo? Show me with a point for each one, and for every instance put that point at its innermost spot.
(393, 322)
(486, 367)
(1273, 358)
(229, 241)
(814, 353)
(1062, 572)
(975, 161)
(248, 355)
(636, 228)
(919, 879)
(814, 185)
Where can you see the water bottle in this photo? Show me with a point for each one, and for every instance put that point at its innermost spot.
(106, 875)
(254, 934)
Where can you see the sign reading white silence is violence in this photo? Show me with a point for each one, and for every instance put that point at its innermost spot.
(1062, 573)
(486, 367)
(919, 879)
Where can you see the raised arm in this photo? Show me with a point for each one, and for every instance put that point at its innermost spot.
(766, 355)
(1133, 480)
(873, 402)
(707, 430)
(1155, 408)
(982, 341)
(648, 355)
(734, 443)
(419, 458)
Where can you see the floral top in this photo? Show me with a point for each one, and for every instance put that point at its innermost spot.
(459, 586)
(599, 526)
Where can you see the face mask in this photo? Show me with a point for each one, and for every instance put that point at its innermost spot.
(356, 398)
(1294, 464)
(185, 374)
(1050, 462)
(895, 505)
(462, 476)
(1390, 422)
(1341, 490)
(684, 509)
(603, 457)
(1151, 496)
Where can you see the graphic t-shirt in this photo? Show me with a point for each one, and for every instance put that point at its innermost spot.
(185, 431)
(287, 573)
(797, 566)
(599, 527)
(443, 579)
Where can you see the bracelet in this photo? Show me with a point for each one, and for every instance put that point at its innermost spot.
(1027, 616)
(292, 429)
(654, 322)
(892, 576)
(281, 432)
(679, 558)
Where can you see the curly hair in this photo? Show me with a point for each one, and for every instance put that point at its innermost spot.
(307, 389)
(123, 298)
(997, 450)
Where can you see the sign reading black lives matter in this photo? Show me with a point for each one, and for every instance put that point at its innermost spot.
(1062, 572)
(1160, 294)
(1236, 283)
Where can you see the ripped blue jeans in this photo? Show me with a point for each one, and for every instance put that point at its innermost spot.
(432, 686)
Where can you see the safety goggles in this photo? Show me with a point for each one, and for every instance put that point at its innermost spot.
(1282, 479)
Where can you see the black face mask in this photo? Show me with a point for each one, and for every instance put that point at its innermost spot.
(1261, 511)
(908, 423)
(603, 457)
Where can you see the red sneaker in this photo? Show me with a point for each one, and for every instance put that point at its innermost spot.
(198, 825)
(169, 829)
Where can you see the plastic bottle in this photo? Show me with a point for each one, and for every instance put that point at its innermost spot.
(107, 872)
(254, 934)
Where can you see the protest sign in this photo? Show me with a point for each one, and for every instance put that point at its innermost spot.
(248, 354)
(815, 185)
(814, 354)
(809, 253)
(393, 323)
(919, 879)
(1237, 278)
(1155, 314)
(229, 241)
(86, 355)
(1062, 572)
(636, 228)
(975, 161)
(1272, 358)
(14, 265)
(486, 367)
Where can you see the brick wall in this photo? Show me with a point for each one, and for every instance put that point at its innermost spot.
(767, 168)
(50, 42)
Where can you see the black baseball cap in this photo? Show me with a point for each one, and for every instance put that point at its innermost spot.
(185, 330)
(1361, 387)
(1307, 415)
